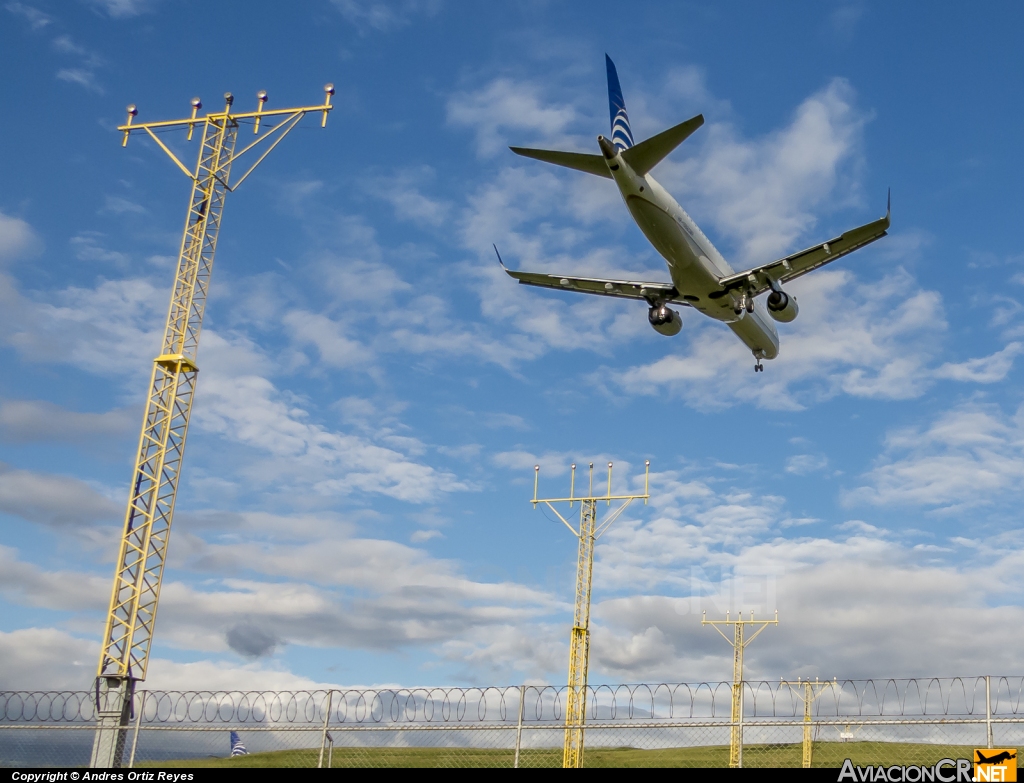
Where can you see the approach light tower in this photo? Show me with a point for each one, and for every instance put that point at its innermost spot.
(811, 691)
(738, 644)
(140, 562)
(579, 647)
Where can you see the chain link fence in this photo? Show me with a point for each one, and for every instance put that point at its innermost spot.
(907, 721)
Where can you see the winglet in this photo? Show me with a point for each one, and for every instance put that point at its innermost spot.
(499, 257)
(888, 204)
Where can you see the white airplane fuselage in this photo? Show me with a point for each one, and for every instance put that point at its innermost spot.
(693, 262)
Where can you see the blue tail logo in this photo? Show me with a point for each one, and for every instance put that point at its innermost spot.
(622, 137)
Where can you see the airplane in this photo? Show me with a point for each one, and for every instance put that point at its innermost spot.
(700, 277)
(1003, 756)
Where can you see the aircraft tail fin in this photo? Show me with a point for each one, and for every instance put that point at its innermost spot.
(591, 164)
(641, 157)
(650, 152)
(622, 136)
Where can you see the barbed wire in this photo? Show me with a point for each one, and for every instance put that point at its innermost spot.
(912, 697)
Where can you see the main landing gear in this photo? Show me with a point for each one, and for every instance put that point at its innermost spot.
(745, 302)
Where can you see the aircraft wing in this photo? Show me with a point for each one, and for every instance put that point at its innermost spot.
(791, 267)
(623, 289)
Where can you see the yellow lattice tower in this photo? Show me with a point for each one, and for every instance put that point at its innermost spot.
(738, 644)
(811, 691)
(124, 654)
(579, 645)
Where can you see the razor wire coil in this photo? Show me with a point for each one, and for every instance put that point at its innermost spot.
(872, 698)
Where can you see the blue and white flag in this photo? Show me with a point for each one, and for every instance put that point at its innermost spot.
(237, 748)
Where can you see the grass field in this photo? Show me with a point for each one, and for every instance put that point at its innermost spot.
(826, 754)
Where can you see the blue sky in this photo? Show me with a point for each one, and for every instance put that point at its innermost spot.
(374, 392)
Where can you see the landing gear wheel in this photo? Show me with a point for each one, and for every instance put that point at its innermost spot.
(750, 304)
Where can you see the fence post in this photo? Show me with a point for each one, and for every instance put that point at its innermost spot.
(988, 710)
(519, 726)
(323, 735)
(138, 722)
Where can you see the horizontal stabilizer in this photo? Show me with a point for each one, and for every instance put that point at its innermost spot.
(649, 153)
(592, 164)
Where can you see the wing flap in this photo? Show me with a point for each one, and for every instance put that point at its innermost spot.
(621, 289)
(649, 153)
(581, 161)
(758, 280)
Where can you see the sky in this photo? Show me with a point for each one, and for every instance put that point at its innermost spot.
(374, 392)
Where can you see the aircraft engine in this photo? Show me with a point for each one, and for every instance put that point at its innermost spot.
(665, 320)
(782, 307)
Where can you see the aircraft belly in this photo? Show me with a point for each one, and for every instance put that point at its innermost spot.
(694, 278)
(690, 268)
(662, 230)
(758, 333)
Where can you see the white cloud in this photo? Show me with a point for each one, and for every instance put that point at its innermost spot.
(505, 212)
(17, 239)
(969, 456)
(802, 464)
(419, 536)
(328, 589)
(402, 191)
(208, 675)
(85, 71)
(374, 304)
(46, 658)
(87, 247)
(861, 604)
(307, 581)
(28, 421)
(65, 45)
(108, 329)
(36, 19)
(384, 15)
(985, 369)
(355, 279)
(508, 105)
(551, 463)
(65, 591)
(123, 9)
(250, 410)
(82, 76)
(845, 19)
(52, 659)
(335, 349)
(114, 327)
(489, 654)
(53, 500)
(859, 607)
(865, 339)
(763, 194)
(119, 205)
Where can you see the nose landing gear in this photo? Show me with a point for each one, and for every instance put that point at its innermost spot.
(758, 355)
